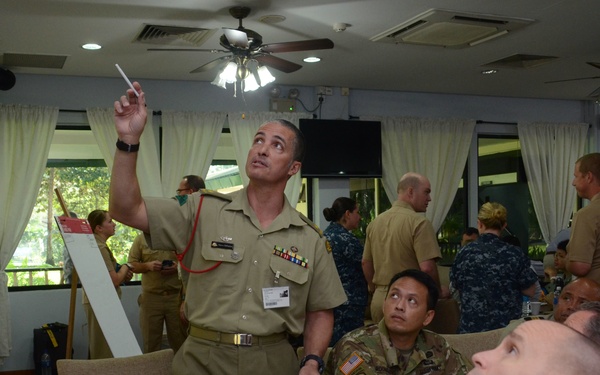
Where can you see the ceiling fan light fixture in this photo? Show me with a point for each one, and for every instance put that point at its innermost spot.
(220, 82)
(230, 72)
(265, 76)
(250, 83)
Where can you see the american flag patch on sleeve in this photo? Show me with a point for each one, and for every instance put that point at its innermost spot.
(352, 363)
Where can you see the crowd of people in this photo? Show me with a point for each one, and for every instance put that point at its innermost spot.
(255, 273)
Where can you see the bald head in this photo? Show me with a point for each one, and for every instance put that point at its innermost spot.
(573, 295)
(415, 189)
(540, 347)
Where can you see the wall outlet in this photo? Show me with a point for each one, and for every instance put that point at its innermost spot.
(324, 90)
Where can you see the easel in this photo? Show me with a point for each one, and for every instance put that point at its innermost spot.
(74, 282)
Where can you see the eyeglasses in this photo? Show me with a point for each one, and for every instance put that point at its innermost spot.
(180, 190)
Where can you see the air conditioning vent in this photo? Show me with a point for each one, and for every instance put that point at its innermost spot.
(450, 29)
(26, 60)
(157, 34)
(520, 60)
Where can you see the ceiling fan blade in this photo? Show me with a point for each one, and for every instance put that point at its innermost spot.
(187, 50)
(212, 64)
(277, 63)
(300, 45)
(573, 79)
(236, 38)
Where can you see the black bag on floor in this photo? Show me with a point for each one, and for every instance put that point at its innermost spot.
(52, 337)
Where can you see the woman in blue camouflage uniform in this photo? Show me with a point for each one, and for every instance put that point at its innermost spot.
(491, 275)
(347, 253)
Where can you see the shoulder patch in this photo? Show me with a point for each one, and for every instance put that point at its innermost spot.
(312, 225)
(351, 364)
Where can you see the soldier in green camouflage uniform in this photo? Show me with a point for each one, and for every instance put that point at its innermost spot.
(398, 344)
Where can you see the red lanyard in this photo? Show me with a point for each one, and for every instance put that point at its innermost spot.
(181, 255)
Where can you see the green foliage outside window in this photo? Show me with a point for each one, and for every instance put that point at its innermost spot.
(84, 189)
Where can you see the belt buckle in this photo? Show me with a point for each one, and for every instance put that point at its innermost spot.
(242, 339)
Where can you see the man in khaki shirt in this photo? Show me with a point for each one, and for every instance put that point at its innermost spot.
(401, 238)
(258, 270)
(161, 295)
(583, 250)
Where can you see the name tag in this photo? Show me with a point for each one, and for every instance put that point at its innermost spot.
(277, 297)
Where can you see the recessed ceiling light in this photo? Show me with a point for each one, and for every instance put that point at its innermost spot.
(489, 71)
(91, 46)
(312, 59)
(271, 19)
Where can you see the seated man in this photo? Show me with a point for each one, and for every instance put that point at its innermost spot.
(469, 235)
(399, 344)
(540, 347)
(577, 292)
(586, 320)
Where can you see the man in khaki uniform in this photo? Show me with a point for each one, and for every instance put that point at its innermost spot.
(401, 238)
(258, 270)
(161, 295)
(583, 251)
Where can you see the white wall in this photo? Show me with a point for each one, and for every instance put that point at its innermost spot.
(32, 309)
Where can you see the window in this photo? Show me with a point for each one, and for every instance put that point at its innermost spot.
(75, 166)
(502, 179)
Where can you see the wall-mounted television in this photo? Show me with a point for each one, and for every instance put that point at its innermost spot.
(341, 148)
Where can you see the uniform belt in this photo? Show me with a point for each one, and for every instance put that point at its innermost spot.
(166, 292)
(240, 339)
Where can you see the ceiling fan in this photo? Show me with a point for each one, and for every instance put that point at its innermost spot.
(594, 64)
(245, 45)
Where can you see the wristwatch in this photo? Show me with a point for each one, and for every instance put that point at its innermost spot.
(314, 358)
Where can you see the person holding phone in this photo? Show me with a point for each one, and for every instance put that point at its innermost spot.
(161, 295)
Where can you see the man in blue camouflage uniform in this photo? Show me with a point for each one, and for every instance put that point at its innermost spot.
(398, 344)
(491, 276)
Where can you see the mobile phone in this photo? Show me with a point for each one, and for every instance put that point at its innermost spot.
(167, 263)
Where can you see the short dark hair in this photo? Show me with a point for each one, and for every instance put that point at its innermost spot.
(339, 208)
(194, 182)
(562, 245)
(423, 278)
(471, 231)
(299, 143)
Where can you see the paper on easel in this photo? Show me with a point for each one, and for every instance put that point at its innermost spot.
(83, 249)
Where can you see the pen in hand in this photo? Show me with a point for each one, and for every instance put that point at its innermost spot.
(127, 80)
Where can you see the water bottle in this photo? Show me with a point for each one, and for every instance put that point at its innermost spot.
(559, 285)
(525, 310)
(46, 363)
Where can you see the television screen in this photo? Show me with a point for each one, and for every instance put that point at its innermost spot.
(341, 148)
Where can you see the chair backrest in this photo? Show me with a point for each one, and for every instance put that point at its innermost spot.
(155, 363)
(470, 343)
(446, 318)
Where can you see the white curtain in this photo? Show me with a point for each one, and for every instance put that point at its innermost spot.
(25, 136)
(102, 124)
(243, 128)
(435, 148)
(550, 151)
(190, 141)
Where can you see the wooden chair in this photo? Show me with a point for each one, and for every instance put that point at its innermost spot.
(155, 363)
